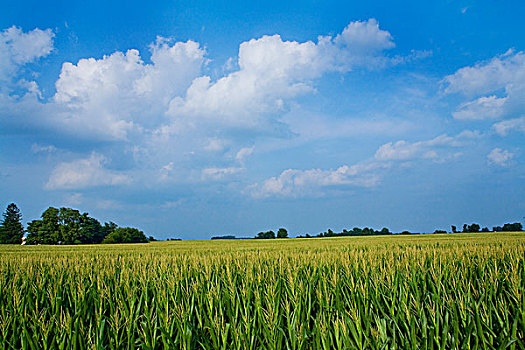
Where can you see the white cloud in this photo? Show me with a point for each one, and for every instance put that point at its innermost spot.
(36, 148)
(73, 199)
(272, 72)
(489, 107)
(314, 182)
(18, 48)
(499, 157)
(108, 204)
(243, 153)
(437, 149)
(215, 145)
(84, 173)
(112, 96)
(504, 127)
(219, 173)
(497, 84)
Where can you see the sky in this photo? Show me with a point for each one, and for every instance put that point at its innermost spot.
(206, 118)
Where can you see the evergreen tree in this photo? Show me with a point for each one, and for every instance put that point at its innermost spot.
(11, 228)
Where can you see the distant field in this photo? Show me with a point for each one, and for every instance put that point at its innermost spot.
(419, 292)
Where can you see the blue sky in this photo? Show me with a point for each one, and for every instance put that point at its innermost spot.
(198, 119)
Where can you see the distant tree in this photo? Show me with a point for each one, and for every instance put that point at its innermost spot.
(512, 227)
(125, 235)
(384, 231)
(151, 239)
(440, 231)
(485, 229)
(282, 233)
(473, 228)
(497, 229)
(368, 231)
(454, 229)
(465, 228)
(11, 228)
(265, 235)
(406, 233)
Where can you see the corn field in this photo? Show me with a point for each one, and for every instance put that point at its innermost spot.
(455, 291)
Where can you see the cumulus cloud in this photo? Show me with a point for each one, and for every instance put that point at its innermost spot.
(497, 86)
(84, 173)
(499, 157)
(273, 71)
(18, 48)
(504, 127)
(112, 96)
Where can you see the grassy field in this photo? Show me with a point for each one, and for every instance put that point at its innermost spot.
(407, 292)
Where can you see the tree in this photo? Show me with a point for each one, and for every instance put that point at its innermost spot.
(266, 235)
(46, 230)
(11, 228)
(512, 227)
(474, 228)
(454, 229)
(384, 231)
(125, 235)
(282, 233)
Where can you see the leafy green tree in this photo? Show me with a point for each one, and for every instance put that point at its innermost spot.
(473, 228)
(69, 221)
(282, 233)
(512, 227)
(384, 231)
(91, 231)
(266, 235)
(11, 228)
(125, 235)
(46, 230)
(454, 229)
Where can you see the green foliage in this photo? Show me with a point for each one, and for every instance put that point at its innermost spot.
(440, 231)
(266, 235)
(388, 292)
(69, 226)
(471, 228)
(125, 235)
(512, 227)
(11, 228)
(282, 233)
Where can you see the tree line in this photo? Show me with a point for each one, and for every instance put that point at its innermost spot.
(64, 226)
